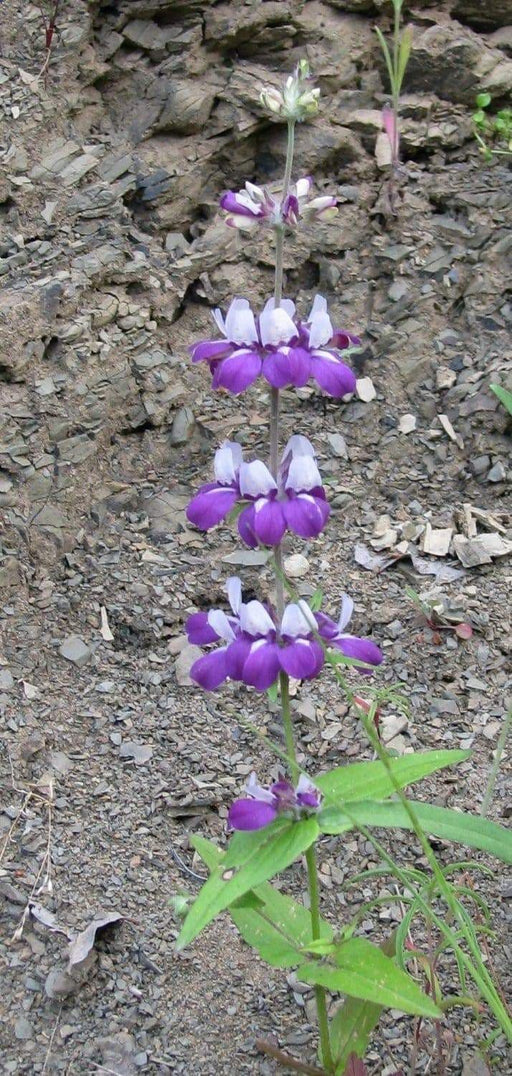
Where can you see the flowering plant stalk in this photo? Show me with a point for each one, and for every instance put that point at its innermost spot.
(261, 644)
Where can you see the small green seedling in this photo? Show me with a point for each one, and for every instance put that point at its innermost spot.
(492, 132)
(396, 62)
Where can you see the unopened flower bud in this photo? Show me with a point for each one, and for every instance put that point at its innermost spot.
(297, 101)
(272, 100)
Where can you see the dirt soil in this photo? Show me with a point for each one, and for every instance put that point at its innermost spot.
(113, 254)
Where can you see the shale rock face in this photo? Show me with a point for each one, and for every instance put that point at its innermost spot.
(109, 195)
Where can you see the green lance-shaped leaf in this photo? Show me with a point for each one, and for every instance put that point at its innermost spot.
(470, 830)
(372, 780)
(404, 53)
(277, 926)
(362, 970)
(387, 56)
(504, 396)
(251, 859)
(354, 1021)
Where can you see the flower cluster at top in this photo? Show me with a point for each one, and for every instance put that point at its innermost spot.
(263, 805)
(297, 100)
(257, 647)
(295, 502)
(276, 344)
(255, 205)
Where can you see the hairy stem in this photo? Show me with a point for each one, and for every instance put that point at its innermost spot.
(321, 1004)
(290, 145)
(284, 684)
(274, 393)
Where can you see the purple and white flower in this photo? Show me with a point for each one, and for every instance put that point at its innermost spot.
(263, 805)
(253, 205)
(350, 645)
(257, 648)
(284, 350)
(296, 502)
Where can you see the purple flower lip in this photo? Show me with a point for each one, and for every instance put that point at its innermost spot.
(257, 648)
(253, 205)
(280, 348)
(296, 502)
(263, 805)
(350, 645)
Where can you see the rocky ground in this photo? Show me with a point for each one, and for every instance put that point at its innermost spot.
(112, 254)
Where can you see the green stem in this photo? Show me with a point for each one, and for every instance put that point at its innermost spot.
(274, 454)
(321, 1004)
(290, 145)
(314, 894)
(284, 685)
(274, 393)
(496, 764)
(284, 682)
(278, 270)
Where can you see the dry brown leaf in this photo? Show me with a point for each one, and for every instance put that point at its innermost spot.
(84, 942)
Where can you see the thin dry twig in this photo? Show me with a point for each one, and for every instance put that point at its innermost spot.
(287, 1060)
(187, 870)
(46, 862)
(50, 1044)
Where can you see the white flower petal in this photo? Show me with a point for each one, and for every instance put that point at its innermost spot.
(255, 479)
(325, 201)
(243, 223)
(303, 186)
(219, 320)
(295, 621)
(240, 324)
(298, 445)
(257, 792)
(265, 318)
(227, 462)
(347, 608)
(234, 593)
(320, 329)
(276, 327)
(305, 785)
(218, 620)
(256, 193)
(255, 620)
(245, 199)
(303, 474)
(319, 306)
